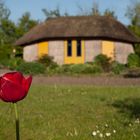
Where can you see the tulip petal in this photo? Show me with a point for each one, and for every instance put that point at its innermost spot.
(11, 92)
(16, 77)
(0, 88)
(27, 83)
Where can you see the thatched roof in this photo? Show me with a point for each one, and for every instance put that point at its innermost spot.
(97, 27)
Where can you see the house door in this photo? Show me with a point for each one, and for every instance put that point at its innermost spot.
(108, 49)
(74, 52)
(42, 49)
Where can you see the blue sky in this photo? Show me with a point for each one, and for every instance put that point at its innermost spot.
(18, 7)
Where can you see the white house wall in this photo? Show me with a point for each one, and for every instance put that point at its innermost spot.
(56, 49)
(30, 53)
(122, 50)
(92, 49)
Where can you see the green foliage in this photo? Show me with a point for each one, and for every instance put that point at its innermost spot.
(95, 10)
(64, 69)
(117, 68)
(13, 63)
(25, 24)
(103, 61)
(31, 68)
(133, 61)
(4, 11)
(51, 13)
(78, 69)
(47, 61)
(133, 13)
(4, 63)
(110, 13)
(7, 32)
(85, 69)
(5, 51)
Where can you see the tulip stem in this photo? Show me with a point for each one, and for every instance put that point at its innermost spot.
(17, 122)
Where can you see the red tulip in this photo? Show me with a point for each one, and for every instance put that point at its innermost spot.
(14, 87)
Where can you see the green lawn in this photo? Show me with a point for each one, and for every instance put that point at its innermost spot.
(74, 113)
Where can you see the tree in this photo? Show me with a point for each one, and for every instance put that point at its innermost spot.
(133, 13)
(7, 32)
(4, 11)
(25, 24)
(110, 13)
(95, 10)
(51, 13)
(54, 13)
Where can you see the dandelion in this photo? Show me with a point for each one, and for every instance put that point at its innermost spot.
(75, 132)
(97, 126)
(130, 124)
(69, 134)
(69, 90)
(100, 135)
(134, 134)
(137, 121)
(108, 134)
(94, 133)
(114, 131)
(106, 125)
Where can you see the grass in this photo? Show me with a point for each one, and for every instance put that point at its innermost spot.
(74, 113)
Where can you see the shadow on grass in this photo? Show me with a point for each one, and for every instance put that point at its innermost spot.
(129, 107)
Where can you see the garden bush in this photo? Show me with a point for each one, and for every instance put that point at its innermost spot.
(11, 63)
(103, 61)
(31, 68)
(47, 61)
(85, 69)
(79, 69)
(4, 63)
(133, 60)
(64, 69)
(117, 68)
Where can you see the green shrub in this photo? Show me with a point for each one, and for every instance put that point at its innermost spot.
(4, 63)
(133, 60)
(10, 63)
(47, 61)
(31, 68)
(85, 69)
(14, 63)
(103, 61)
(117, 68)
(64, 69)
(79, 69)
(76, 68)
(92, 69)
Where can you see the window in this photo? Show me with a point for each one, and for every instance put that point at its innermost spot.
(79, 48)
(69, 48)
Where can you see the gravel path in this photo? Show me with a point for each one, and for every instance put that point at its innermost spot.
(84, 80)
(87, 80)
